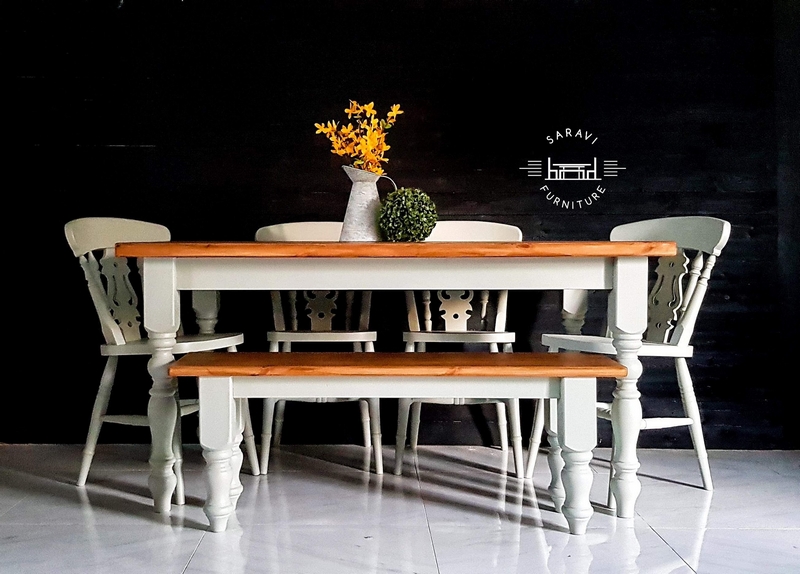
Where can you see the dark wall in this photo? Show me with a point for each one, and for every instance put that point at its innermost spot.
(199, 115)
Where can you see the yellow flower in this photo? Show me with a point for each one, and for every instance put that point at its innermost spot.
(353, 110)
(369, 109)
(365, 142)
(394, 112)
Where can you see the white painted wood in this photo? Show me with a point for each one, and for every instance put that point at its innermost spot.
(376, 274)
(674, 303)
(413, 273)
(116, 301)
(574, 407)
(319, 307)
(455, 307)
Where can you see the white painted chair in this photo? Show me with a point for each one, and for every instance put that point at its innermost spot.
(467, 317)
(677, 294)
(318, 317)
(92, 240)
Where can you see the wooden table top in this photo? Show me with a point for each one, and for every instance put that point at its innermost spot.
(472, 364)
(385, 249)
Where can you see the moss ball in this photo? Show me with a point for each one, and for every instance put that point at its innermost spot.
(407, 214)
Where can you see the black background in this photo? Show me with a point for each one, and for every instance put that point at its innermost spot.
(199, 115)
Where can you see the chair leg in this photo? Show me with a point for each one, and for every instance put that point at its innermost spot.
(403, 407)
(277, 433)
(266, 433)
(377, 439)
(365, 422)
(516, 437)
(416, 413)
(693, 412)
(502, 424)
(98, 412)
(536, 437)
(249, 439)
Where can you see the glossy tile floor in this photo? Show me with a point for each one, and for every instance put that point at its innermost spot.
(453, 511)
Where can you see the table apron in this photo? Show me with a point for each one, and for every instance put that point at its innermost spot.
(521, 273)
(396, 387)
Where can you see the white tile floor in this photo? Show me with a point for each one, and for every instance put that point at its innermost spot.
(319, 512)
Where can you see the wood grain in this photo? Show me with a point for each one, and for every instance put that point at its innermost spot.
(310, 364)
(444, 250)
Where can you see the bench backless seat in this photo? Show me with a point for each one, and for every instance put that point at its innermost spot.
(568, 378)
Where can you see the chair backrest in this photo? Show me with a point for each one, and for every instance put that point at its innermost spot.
(466, 230)
(674, 301)
(92, 240)
(456, 307)
(301, 231)
(320, 307)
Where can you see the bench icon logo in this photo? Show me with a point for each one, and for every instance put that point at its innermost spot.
(573, 173)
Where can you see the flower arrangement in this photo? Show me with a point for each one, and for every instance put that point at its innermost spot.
(407, 214)
(365, 141)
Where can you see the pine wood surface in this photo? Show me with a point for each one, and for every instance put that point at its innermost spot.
(382, 249)
(396, 364)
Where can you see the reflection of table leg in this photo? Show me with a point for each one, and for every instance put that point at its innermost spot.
(627, 315)
(219, 426)
(577, 439)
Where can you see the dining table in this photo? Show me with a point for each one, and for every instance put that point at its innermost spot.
(206, 268)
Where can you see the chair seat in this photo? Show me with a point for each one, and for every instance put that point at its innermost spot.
(596, 344)
(322, 336)
(458, 337)
(185, 344)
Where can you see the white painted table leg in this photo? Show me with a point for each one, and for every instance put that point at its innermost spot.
(628, 320)
(219, 424)
(573, 310)
(162, 414)
(206, 309)
(577, 434)
(161, 313)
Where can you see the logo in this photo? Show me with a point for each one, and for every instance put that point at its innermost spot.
(574, 173)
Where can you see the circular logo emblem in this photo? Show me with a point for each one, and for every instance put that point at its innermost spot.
(573, 174)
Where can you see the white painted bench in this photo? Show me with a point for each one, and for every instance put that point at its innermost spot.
(569, 378)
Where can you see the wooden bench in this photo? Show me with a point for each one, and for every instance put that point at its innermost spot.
(569, 378)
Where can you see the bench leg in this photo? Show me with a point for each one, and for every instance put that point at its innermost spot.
(554, 460)
(237, 457)
(577, 435)
(219, 424)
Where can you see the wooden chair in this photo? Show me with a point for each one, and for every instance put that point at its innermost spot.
(474, 319)
(321, 317)
(92, 240)
(677, 294)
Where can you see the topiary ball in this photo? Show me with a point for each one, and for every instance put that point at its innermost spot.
(407, 214)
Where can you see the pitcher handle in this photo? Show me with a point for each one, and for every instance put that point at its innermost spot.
(390, 179)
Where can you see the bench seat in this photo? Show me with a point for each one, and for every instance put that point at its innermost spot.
(568, 378)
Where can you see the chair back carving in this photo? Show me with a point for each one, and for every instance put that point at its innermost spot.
(681, 281)
(317, 310)
(454, 309)
(92, 240)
